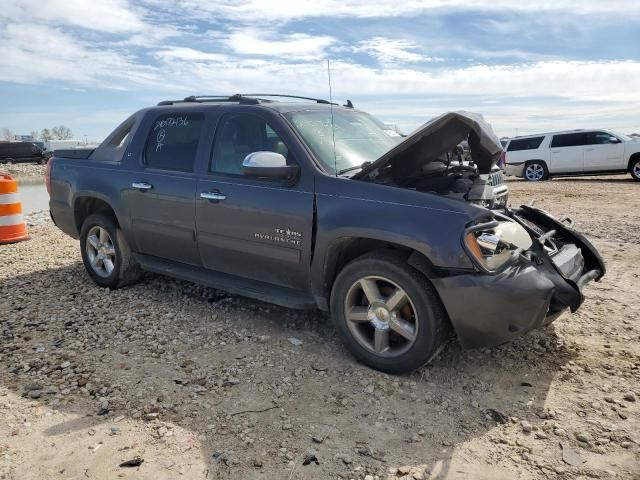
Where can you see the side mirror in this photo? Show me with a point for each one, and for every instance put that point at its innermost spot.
(614, 139)
(270, 165)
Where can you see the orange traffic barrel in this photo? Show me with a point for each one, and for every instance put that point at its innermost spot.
(12, 226)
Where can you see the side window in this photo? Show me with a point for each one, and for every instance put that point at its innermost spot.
(237, 136)
(569, 140)
(531, 143)
(173, 141)
(601, 138)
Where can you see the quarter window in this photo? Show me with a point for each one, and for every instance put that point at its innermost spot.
(530, 143)
(602, 138)
(237, 136)
(569, 140)
(173, 141)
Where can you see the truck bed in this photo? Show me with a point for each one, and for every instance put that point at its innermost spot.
(75, 153)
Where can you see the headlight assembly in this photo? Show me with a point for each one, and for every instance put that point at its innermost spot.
(494, 246)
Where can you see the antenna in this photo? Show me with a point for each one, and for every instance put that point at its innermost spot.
(333, 128)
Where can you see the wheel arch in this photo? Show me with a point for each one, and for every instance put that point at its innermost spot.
(344, 250)
(632, 159)
(537, 160)
(87, 204)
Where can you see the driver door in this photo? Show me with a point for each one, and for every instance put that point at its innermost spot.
(250, 227)
(603, 152)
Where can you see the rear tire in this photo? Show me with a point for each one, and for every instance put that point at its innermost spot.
(535, 171)
(105, 252)
(634, 169)
(392, 333)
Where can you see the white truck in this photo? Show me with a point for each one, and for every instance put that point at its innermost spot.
(572, 153)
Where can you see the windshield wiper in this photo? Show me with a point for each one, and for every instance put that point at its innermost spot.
(350, 169)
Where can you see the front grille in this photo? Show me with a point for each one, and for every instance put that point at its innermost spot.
(496, 179)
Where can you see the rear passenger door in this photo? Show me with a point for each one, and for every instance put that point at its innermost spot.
(254, 228)
(567, 153)
(603, 152)
(161, 196)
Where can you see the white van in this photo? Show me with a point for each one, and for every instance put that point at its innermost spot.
(572, 153)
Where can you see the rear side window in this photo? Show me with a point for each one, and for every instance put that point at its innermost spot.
(601, 138)
(530, 143)
(569, 140)
(173, 141)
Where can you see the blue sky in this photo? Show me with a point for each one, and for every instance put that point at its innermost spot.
(527, 66)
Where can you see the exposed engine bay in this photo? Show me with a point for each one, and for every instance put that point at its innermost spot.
(448, 178)
(431, 159)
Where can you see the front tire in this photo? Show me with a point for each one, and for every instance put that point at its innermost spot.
(634, 169)
(105, 253)
(535, 172)
(387, 313)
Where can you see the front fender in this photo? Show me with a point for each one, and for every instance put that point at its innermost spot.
(425, 223)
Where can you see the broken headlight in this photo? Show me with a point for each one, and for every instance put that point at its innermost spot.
(494, 246)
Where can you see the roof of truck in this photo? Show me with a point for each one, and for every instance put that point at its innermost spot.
(272, 101)
(560, 132)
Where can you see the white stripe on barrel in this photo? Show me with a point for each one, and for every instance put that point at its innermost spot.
(9, 220)
(8, 198)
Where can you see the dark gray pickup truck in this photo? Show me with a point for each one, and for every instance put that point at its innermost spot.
(309, 204)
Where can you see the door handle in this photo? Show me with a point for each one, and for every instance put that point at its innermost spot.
(213, 196)
(555, 151)
(142, 186)
(589, 149)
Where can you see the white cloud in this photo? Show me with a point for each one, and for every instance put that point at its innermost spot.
(269, 43)
(389, 51)
(34, 53)
(264, 11)
(188, 54)
(116, 16)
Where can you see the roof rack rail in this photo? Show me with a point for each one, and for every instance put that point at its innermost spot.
(246, 98)
(212, 98)
(279, 95)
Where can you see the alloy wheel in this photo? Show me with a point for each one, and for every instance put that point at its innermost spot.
(100, 251)
(534, 172)
(636, 170)
(381, 316)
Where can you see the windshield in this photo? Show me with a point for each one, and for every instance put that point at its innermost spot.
(359, 138)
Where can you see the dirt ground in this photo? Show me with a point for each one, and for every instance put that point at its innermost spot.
(24, 171)
(202, 385)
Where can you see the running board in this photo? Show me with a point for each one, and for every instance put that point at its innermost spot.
(285, 297)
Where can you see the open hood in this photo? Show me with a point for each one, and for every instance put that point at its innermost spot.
(439, 136)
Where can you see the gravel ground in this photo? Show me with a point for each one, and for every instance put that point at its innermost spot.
(199, 384)
(24, 171)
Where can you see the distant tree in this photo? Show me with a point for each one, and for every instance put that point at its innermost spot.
(45, 135)
(6, 134)
(35, 135)
(62, 133)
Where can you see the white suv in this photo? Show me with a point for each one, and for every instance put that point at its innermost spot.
(577, 152)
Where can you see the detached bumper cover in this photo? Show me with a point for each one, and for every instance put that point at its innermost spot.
(514, 169)
(488, 310)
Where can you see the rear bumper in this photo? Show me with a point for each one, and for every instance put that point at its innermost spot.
(514, 169)
(487, 310)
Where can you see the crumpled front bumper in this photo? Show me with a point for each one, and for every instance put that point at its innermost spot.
(487, 310)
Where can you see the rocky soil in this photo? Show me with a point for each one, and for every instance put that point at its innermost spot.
(202, 385)
(24, 171)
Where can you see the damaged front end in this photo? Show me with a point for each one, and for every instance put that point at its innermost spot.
(531, 268)
(429, 161)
